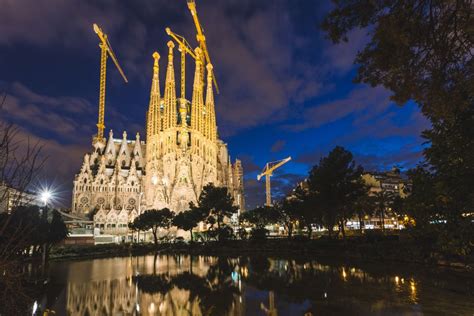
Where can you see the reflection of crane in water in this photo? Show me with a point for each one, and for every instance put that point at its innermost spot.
(271, 310)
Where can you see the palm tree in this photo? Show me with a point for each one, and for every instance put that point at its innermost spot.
(364, 205)
(383, 200)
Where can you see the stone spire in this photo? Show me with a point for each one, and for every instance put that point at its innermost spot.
(153, 114)
(86, 168)
(124, 154)
(110, 149)
(210, 110)
(197, 102)
(170, 92)
(137, 150)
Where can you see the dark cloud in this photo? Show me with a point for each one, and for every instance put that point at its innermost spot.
(310, 158)
(404, 158)
(340, 57)
(278, 146)
(248, 164)
(364, 101)
(255, 46)
(59, 118)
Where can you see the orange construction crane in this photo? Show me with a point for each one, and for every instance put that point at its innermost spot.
(268, 172)
(105, 50)
(201, 38)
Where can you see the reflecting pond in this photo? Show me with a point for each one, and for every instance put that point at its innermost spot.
(199, 285)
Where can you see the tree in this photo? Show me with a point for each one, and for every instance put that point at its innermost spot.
(422, 51)
(187, 220)
(421, 203)
(20, 162)
(260, 217)
(364, 205)
(383, 200)
(154, 219)
(336, 184)
(217, 203)
(304, 207)
(287, 214)
(57, 230)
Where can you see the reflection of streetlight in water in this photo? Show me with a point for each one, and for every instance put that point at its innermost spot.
(413, 294)
(271, 310)
(344, 274)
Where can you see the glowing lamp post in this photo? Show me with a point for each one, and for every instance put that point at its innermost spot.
(45, 197)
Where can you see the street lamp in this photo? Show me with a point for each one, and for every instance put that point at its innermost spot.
(45, 196)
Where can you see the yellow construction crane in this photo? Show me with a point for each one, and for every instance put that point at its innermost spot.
(268, 172)
(201, 38)
(184, 48)
(105, 50)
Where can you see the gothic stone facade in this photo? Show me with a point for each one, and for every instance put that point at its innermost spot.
(182, 153)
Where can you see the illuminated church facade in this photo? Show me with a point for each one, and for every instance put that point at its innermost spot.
(122, 177)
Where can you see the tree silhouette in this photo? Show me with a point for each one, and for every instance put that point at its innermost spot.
(187, 220)
(336, 184)
(383, 200)
(153, 219)
(216, 204)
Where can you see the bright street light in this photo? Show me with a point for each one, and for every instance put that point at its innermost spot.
(45, 196)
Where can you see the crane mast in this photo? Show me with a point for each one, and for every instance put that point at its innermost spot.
(184, 48)
(105, 51)
(268, 172)
(201, 38)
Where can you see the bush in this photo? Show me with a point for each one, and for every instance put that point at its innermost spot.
(243, 235)
(225, 233)
(258, 234)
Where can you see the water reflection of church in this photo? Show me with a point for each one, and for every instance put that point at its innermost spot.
(107, 295)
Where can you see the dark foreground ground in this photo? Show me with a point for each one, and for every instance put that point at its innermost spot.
(384, 250)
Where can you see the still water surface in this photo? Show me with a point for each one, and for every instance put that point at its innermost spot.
(198, 285)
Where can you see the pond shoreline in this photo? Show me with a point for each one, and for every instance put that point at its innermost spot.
(386, 251)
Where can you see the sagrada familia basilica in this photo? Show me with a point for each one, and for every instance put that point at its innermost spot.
(121, 177)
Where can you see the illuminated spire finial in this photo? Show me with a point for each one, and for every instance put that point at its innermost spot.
(170, 92)
(153, 114)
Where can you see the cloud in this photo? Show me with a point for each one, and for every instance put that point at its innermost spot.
(340, 57)
(310, 158)
(54, 21)
(278, 146)
(258, 67)
(248, 164)
(364, 101)
(405, 157)
(65, 118)
(43, 114)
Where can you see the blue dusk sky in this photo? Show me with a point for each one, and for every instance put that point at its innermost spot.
(284, 88)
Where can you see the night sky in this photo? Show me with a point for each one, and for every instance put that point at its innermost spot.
(284, 88)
